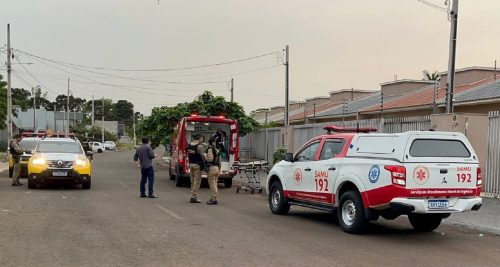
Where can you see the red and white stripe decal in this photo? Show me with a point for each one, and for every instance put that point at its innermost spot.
(328, 198)
(384, 195)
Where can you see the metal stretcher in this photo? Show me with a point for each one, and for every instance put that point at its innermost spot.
(252, 171)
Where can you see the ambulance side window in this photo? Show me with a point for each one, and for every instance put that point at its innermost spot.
(308, 152)
(331, 148)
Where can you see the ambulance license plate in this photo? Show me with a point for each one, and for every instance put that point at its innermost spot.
(438, 204)
(60, 174)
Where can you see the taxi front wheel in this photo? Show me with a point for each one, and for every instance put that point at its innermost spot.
(277, 201)
(86, 185)
(351, 213)
(425, 222)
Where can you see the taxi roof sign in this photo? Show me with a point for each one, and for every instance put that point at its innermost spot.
(339, 129)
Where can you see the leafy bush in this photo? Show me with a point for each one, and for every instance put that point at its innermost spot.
(279, 155)
(3, 146)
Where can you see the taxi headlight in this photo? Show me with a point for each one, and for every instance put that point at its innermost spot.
(81, 162)
(39, 161)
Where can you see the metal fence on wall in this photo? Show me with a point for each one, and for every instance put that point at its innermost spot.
(253, 146)
(4, 136)
(404, 124)
(492, 173)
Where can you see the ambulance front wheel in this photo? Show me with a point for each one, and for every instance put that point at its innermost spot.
(277, 201)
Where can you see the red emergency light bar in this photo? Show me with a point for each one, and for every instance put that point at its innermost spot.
(340, 129)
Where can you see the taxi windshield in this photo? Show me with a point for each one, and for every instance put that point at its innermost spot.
(59, 147)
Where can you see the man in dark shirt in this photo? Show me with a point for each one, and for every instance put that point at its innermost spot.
(145, 156)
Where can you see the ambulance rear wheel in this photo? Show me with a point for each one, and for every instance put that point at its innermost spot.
(179, 181)
(351, 213)
(277, 201)
(425, 222)
(228, 183)
(170, 174)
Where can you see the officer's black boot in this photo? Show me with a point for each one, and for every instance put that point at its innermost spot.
(194, 200)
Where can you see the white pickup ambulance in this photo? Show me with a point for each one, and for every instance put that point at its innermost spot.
(426, 175)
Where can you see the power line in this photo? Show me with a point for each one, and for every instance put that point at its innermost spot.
(165, 69)
(116, 76)
(440, 8)
(33, 76)
(101, 83)
(131, 86)
(246, 72)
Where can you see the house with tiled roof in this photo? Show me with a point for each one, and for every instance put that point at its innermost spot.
(425, 100)
(476, 91)
(479, 99)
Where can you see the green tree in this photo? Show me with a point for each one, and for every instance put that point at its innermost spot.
(160, 124)
(75, 103)
(21, 98)
(124, 111)
(42, 102)
(428, 76)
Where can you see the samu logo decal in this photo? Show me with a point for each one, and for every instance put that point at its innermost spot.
(297, 176)
(374, 174)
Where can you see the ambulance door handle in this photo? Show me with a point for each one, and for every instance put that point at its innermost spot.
(332, 169)
(443, 171)
(307, 169)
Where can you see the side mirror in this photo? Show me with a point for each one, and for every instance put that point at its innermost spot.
(288, 157)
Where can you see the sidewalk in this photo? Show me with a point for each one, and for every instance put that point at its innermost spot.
(486, 219)
(4, 166)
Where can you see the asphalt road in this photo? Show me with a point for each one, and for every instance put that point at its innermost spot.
(110, 225)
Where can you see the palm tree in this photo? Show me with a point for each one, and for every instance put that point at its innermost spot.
(431, 76)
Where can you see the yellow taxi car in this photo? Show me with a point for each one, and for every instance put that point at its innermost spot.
(59, 160)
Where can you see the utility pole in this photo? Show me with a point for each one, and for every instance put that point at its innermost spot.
(33, 90)
(267, 139)
(451, 62)
(232, 90)
(287, 95)
(9, 92)
(93, 114)
(495, 70)
(67, 108)
(102, 126)
(314, 113)
(64, 119)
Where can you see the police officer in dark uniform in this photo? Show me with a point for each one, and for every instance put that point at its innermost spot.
(213, 169)
(16, 151)
(196, 155)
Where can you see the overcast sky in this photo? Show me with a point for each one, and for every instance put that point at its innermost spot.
(334, 44)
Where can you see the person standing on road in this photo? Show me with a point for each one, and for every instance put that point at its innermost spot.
(16, 151)
(145, 155)
(196, 155)
(213, 164)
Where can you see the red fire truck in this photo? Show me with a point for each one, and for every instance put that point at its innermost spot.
(187, 128)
